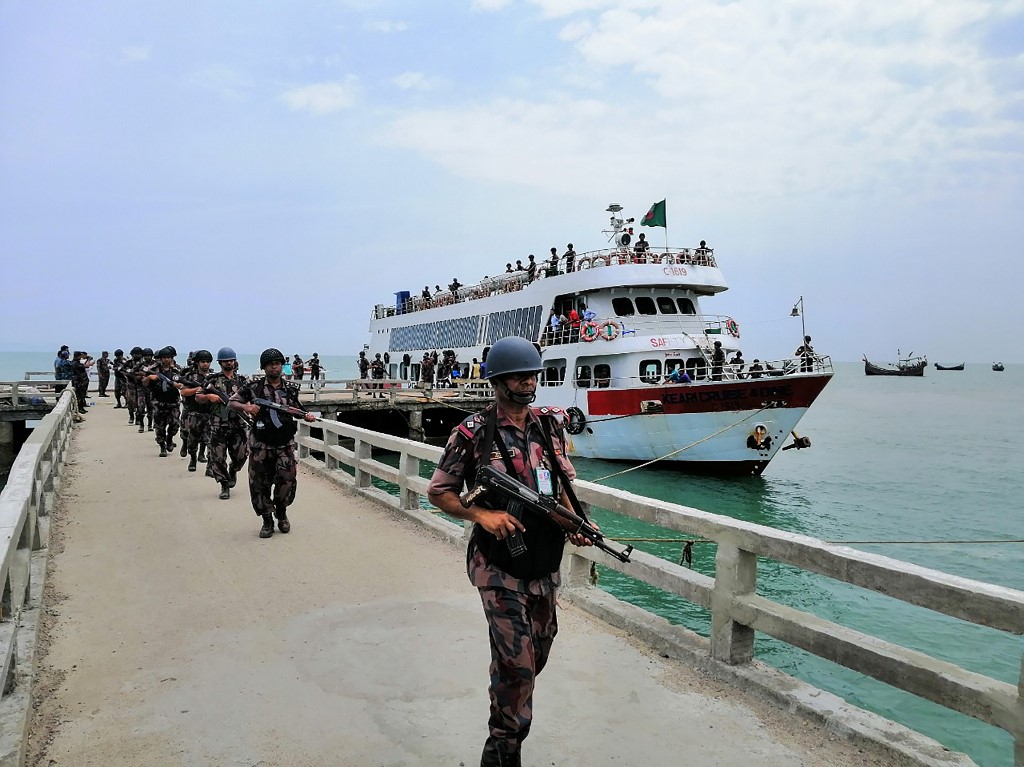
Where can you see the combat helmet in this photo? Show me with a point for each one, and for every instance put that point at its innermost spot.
(513, 355)
(271, 355)
(135, 350)
(203, 355)
(147, 352)
(226, 354)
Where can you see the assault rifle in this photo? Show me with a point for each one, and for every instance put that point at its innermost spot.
(172, 380)
(519, 496)
(294, 412)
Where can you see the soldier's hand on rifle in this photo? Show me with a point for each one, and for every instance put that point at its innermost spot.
(581, 540)
(309, 418)
(498, 523)
(251, 409)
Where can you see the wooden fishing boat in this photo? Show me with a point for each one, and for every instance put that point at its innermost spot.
(908, 366)
(997, 366)
(949, 367)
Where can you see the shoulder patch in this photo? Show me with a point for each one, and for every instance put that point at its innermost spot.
(471, 425)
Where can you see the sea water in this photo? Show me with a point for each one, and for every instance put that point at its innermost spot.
(892, 459)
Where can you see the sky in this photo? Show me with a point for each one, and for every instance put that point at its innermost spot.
(262, 174)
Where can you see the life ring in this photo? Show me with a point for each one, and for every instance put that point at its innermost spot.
(601, 260)
(610, 330)
(732, 327)
(577, 420)
(589, 331)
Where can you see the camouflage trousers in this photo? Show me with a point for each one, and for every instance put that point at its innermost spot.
(130, 400)
(143, 404)
(195, 426)
(522, 628)
(166, 420)
(119, 388)
(272, 477)
(227, 440)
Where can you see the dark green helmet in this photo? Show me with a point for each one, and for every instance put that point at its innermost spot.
(202, 356)
(271, 355)
(147, 352)
(167, 352)
(136, 350)
(118, 352)
(513, 355)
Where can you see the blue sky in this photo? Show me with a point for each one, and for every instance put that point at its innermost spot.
(257, 174)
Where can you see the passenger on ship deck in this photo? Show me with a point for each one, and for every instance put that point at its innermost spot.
(519, 265)
(678, 375)
(587, 315)
(531, 268)
(474, 369)
(717, 361)
(425, 295)
(570, 258)
(755, 368)
(553, 263)
(508, 268)
(806, 354)
(455, 285)
(703, 249)
(641, 247)
(738, 364)
(437, 291)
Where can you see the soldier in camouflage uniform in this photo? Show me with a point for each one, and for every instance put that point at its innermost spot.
(195, 423)
(131, 388)
(272, 465)
(166, 397)
(228, 436)
(143, 394)
(103, 373)
(517, 593)
(116, 367)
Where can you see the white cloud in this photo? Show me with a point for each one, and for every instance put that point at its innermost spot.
(755, 99)
(386, 26)
(133, 53)
(323, 98)
(489, 6)
(415, 81)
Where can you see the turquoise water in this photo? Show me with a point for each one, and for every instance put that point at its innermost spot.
(892, 459)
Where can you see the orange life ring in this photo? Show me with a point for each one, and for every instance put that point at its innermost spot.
(732, 327)
(589, 331)
(610, 330)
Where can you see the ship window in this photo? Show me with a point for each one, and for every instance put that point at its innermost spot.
(697, 368)
(583, 376)
(666, 305)
(650, 371)
(622, 307)
(671, 365)
(553, 373)
(686, 306)
(645, 305)
(602, 376)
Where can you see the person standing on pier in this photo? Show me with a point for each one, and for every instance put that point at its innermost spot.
(130, 389)
(165, 390)
(143, 396)
(273, 469)
(103, 372)
(314, 368)
(517, 592)
(228, 435)
(80, 378)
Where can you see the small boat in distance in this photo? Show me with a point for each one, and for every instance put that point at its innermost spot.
(997, 366)
(949, 367)
(905, 366)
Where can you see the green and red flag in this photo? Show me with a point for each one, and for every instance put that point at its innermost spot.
(655, 216)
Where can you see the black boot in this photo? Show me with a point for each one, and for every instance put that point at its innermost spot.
(232, 476)
(282, 521)
(184, 448)
(131, 419)
(149, 423)
(163, 450)
(225, 491)
(268, 526)
(192, 463)
(202, 454)
(142, 428)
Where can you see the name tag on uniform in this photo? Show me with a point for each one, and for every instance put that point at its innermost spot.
(544, 481)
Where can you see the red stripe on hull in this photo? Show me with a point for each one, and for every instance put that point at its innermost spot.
(775, 392)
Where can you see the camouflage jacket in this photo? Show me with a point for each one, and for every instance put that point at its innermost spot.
(160, 389)
(268, 424)
(457, 468)
(226, 387)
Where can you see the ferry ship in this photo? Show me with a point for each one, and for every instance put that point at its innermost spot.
(618, 370)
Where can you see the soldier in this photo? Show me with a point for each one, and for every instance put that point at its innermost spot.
(272, 464)
(143, 394)
(196, 422)
(131, 387)
(103, 372)
(80, 378)
(162, 380)
(228, 436)
(518, 594)
(116, 366)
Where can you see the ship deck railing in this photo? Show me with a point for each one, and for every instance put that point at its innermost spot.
(699, 327)
(510, 282)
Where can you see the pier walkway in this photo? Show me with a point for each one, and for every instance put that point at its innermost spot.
(173, 635)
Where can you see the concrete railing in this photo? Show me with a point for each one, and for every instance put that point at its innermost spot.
(737, 611)
(21, 392)
(391, 388)
(25, 504)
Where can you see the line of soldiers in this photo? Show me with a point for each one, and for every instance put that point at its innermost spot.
(219, 420)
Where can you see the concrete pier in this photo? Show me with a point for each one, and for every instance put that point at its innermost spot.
(173, 635)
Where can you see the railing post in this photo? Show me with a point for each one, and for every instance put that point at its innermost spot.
(304, 431)
(331, 439)
(575, 569)
(735, 575)
(1018, 736)
(362, 451)
(408, 466)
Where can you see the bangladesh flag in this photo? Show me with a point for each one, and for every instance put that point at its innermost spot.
(655, 216)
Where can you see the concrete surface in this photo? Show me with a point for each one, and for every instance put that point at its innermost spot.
(173, 635)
